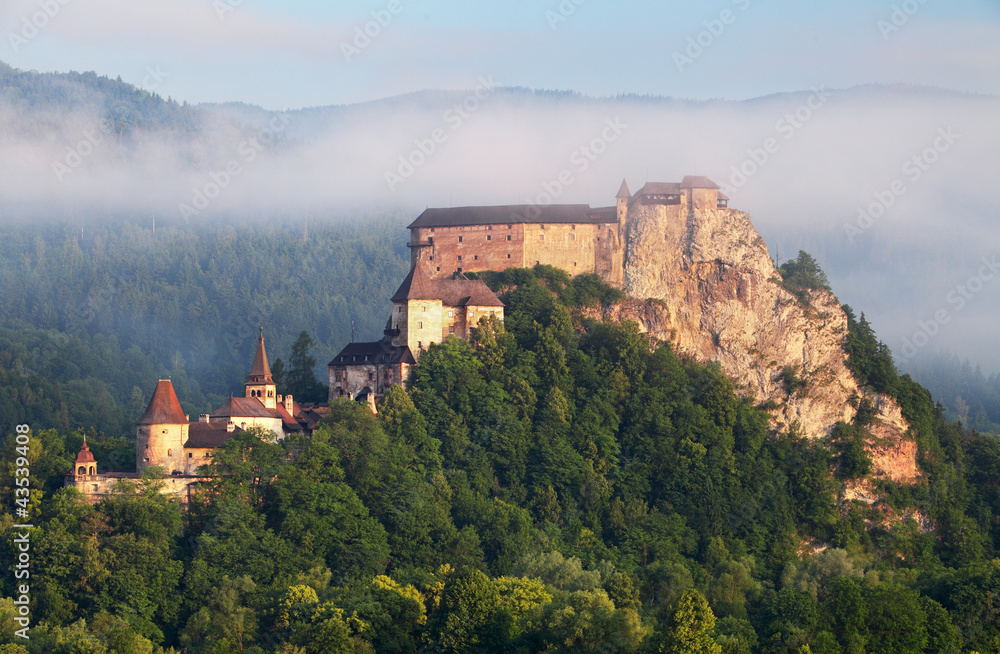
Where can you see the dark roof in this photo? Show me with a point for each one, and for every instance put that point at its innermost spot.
(698, 181)
(261, 371)
(289, 423)
(456, 291)
(504, 215)
(207, 435)
(623, 192)
(164, 407)
(358, 354)
(244, 407)
(660, 188)
(723, 196)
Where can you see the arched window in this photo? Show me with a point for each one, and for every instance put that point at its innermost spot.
(81, 471)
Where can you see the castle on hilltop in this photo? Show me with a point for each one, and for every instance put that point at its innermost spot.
(436, 300)
(572, 237)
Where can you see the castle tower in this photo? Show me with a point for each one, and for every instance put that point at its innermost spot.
(261, 384)
(85, 464)
(161, 432)
(623, 197)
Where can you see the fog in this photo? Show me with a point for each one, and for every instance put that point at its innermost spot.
(802, 164)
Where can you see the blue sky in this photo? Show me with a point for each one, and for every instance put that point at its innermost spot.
(290, 54)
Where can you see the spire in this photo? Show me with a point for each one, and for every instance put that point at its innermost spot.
(623, 193)
(164, 407)
(261, 371)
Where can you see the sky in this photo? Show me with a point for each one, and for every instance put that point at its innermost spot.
(301, 53)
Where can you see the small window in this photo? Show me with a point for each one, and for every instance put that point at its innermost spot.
(459, 239)
(432, 258)
(459, 270)
(420, 345)
(190, 455)
(508, 237)
(476, 257)
(420, 325)
(439, 269)
(572, 237)
(489, 237)
(541, 237)
(451, 329)
(490, 228)
(170, 452)
(451, 313)
(508, 256)
(424, 309)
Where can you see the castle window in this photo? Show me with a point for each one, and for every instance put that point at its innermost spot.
(572, 237)
(541, 237)
(432, 258)
(489, 237)
(439, 268)
(459, 239)
(508, 256)
(451, 313)
(420, 345)
(574, 264)
(459, 270)
(164, 431)
(476, 257)
(572, 226)
(460, 257)
(508, 237)
(451, 329)
(490, 228)
(424, 309)
(170, 452)
(420, 325)
(81, 471)
(190, 455)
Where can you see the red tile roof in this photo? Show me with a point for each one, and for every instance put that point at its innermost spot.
(261, 371)
(244, 407)
(164, 407)
(208, 435)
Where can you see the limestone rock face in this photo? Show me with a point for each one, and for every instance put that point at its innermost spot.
(706, 283)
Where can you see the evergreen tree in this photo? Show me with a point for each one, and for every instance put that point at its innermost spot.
(302, 382)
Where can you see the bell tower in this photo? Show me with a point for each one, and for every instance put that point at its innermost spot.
(261, 384)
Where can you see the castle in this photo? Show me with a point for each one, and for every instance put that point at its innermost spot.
(165, 437)
(435, 301)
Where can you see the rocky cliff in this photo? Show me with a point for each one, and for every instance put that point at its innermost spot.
(707, 284)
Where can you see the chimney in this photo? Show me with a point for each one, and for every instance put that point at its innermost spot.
(289, 405)
(230, 426)
(203, 417)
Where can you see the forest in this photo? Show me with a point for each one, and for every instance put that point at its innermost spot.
(553, 485)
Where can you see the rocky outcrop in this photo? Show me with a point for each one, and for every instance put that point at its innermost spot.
(706, 283)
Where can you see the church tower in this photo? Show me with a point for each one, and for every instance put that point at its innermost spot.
(261, 383)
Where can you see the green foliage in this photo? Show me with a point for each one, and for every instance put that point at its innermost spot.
(801, 275)
(553, 484)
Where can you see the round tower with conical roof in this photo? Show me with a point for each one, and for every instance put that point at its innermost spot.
(161, 432)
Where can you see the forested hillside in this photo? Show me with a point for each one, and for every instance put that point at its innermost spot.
(554, 485)
(91, 316)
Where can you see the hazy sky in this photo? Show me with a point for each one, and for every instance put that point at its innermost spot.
(290, 54)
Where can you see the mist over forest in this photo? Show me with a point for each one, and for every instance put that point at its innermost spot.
(81, 149)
